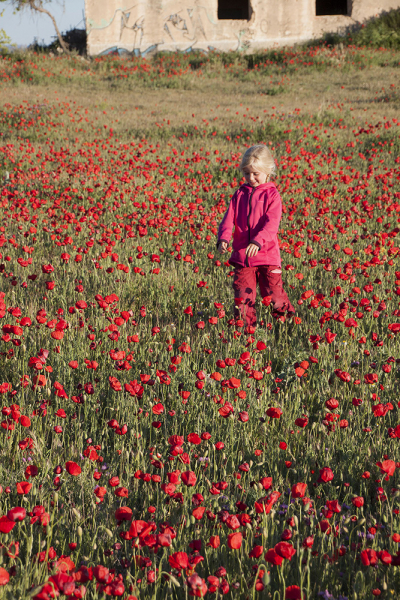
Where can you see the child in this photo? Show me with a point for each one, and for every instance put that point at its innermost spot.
(255, 210)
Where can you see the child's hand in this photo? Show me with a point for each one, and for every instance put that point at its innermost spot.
(251, 250)
(222, 246)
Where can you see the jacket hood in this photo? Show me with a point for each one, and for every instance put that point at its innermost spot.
(261, 187)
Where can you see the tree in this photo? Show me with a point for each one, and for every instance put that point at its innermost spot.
(37, 6)
(4, 39)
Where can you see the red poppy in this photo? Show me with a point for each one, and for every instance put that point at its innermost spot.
(369, 557)
(330, 337)
(214, 541)
(23, 488)
(4, 576)
(285, 550)
(293, 592)
(387, 466)
(189, 478)
(301, 422)
(178, 560)
(124, 513)
(272, 557)
(73, 468)
(299, 490)
(198, 512)
(274, 413)
(6, 525)
(17, 513)
(194, 438)
(332, 403)
(235, 540)
(326, 474)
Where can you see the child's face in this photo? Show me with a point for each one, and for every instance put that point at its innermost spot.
(254, 176)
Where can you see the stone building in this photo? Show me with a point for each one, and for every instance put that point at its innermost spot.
(143, 26)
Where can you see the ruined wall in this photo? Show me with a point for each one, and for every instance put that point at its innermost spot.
(143, 26)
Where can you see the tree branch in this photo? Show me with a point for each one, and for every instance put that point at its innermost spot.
(39, 8)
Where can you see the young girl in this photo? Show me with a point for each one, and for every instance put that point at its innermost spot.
(255, 210)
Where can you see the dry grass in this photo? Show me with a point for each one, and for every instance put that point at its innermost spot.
(369, 93)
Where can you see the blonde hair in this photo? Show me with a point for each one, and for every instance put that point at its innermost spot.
(261, 157)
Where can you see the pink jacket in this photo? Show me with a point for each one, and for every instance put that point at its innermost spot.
(256, 214)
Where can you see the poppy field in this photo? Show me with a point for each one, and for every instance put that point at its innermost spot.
(151, 446)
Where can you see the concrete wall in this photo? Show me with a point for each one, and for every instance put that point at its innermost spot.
(143, 26)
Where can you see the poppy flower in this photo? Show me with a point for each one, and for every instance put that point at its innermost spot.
(298, 490)
(266, 482)
(385, 557)
(274, 413)
(47, 268)
(199, 512)
(17, 513)
(194, 438)
(232, 522)
(101, 573)
(4, 576)
(179, 560)
(235, 540)
(243, 416)
(332, 403)
(325, 475)
(301, 422)
(31, 471)
(196, 585)
(272, 557)
(387, 466)
(369, 557)
(308, 542)
(189, 478)
(73, 468)
(265, 504)
(124, 513)
(293, 592)
(6, 524)
(139, 528)
(285, 550)
(23, 488)
(330, 336)
(357, 501)
(214, 541)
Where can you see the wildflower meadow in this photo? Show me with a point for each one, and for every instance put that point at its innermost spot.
(151, 447)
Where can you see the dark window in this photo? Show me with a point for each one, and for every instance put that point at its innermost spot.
(331, 7)
(233, 9)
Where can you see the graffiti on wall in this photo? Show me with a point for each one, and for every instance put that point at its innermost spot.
(138, 30)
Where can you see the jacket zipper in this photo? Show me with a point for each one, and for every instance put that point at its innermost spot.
(246, 262)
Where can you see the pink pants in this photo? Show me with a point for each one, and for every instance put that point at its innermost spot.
(269, 279)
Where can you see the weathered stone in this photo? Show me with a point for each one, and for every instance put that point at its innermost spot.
(145, 26)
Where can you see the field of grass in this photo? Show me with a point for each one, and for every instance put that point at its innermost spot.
(151, 447)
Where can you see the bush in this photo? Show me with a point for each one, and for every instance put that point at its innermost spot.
(378, 32)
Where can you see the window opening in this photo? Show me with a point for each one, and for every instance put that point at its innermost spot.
(234, 9)
(331, 7)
